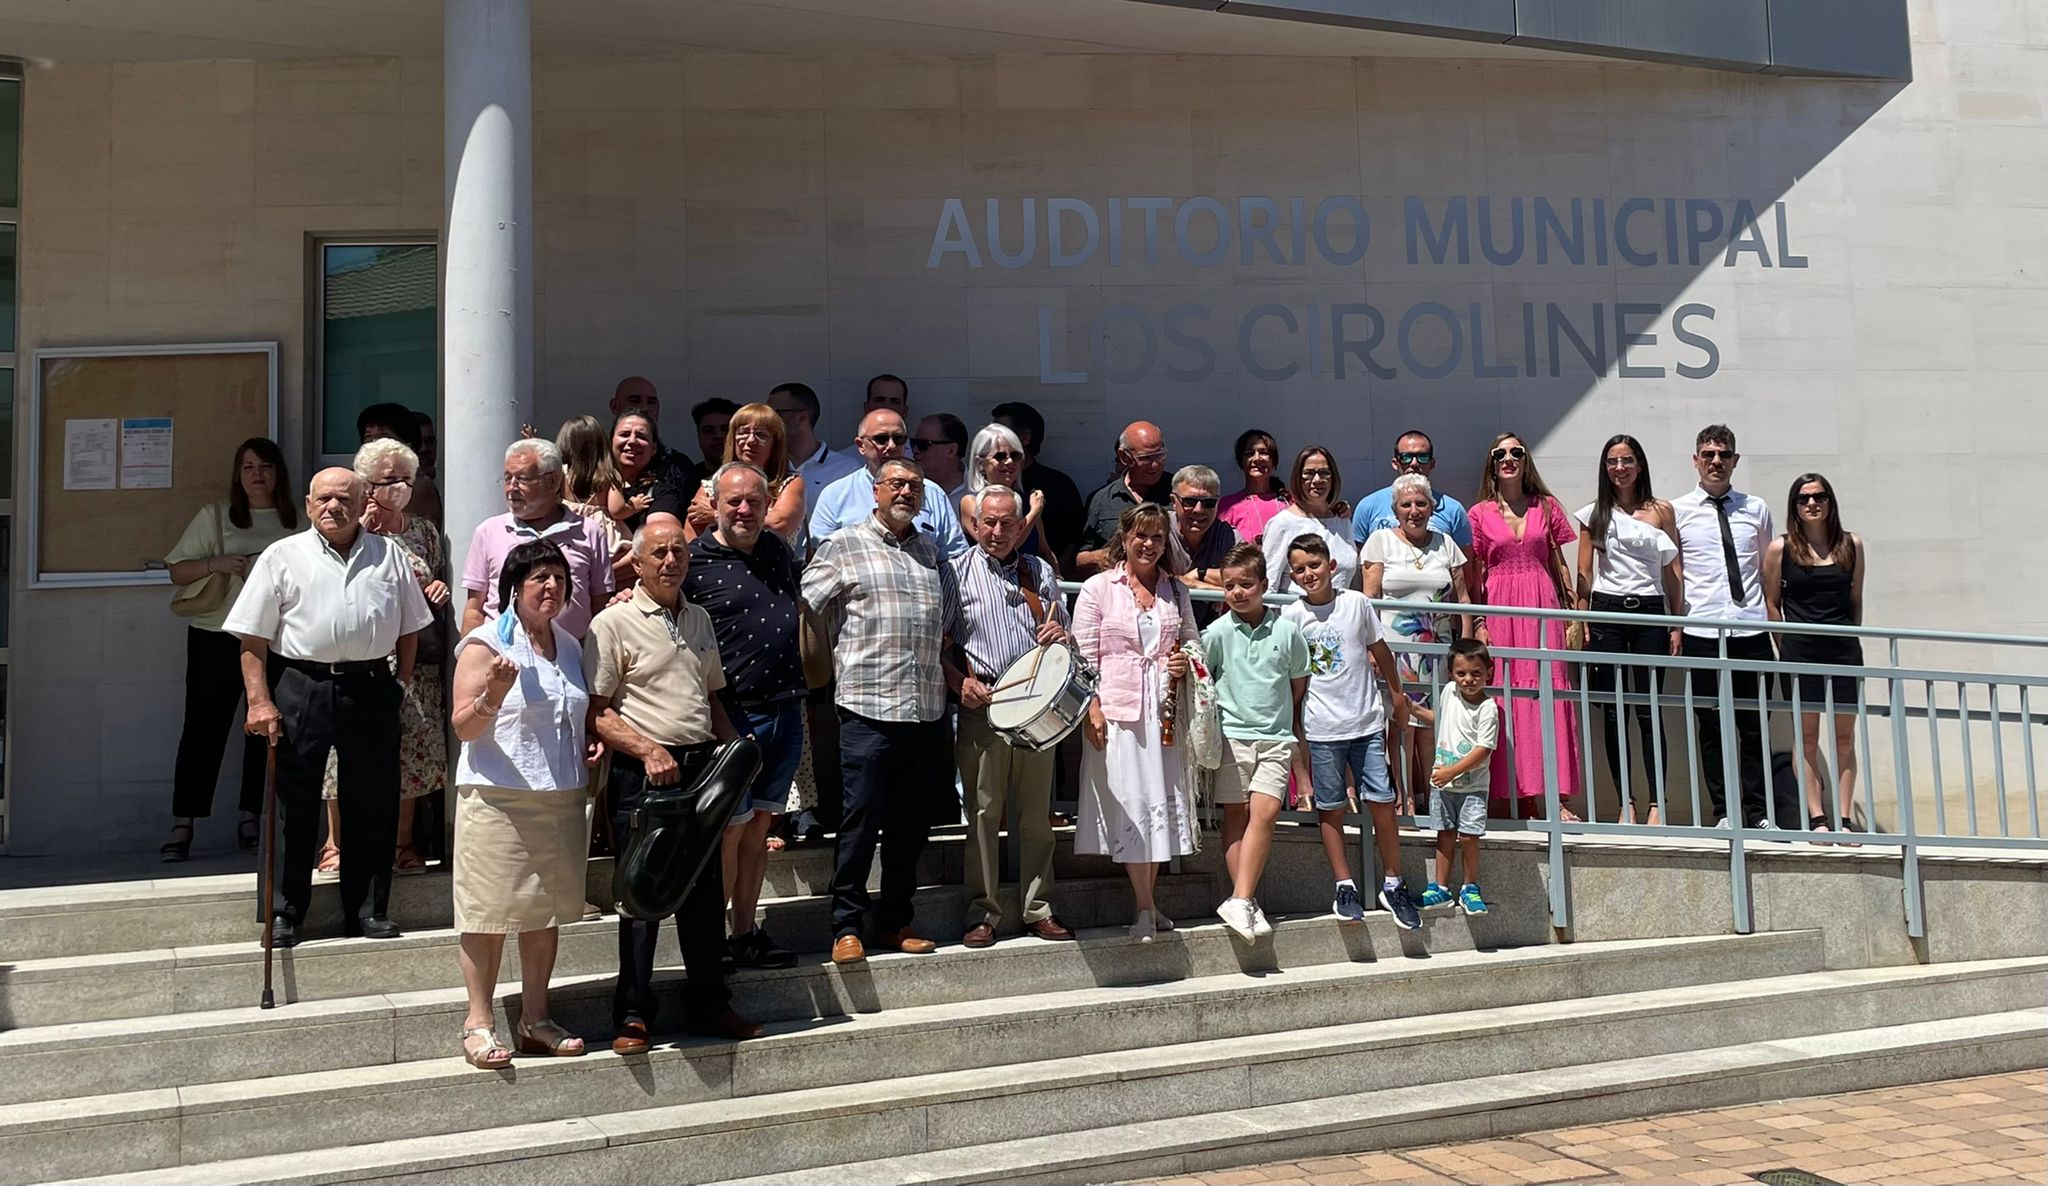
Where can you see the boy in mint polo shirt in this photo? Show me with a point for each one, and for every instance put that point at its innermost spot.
(1260, 663)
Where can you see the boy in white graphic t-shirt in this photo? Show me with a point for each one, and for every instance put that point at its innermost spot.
(1467, 730)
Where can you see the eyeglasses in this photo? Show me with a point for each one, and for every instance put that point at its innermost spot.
(1002, 457)
(1153, 458)
(888, 438)
(922, 443)
(1199, 503)
(390, 483)
(1514, 451)
(1423, 458)
(1621, 462)
(521, 481)
(1805, 497)
(1308, 475)
(898, 484)
(1717, 454)
(751, 433)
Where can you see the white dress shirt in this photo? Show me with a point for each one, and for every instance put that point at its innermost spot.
(1707, 594)
(313, 603)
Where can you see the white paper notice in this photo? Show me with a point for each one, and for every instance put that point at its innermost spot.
(146, 454)
(89, 454)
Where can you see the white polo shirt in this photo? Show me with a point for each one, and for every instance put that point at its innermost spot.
(313, 603)
(1707, 594)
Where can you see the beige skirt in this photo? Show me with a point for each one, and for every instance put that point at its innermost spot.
(519, 858)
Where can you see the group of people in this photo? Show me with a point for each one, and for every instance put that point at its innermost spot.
(855, 612)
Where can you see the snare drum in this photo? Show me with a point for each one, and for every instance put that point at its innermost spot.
(1041, 698)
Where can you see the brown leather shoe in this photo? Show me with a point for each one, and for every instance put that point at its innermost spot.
(728, 1025)
(982, 935)
(846, 949)
(906, 941)
(632, 1037)
(1049, 927)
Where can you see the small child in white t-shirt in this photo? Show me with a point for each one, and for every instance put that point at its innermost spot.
(1467, 732)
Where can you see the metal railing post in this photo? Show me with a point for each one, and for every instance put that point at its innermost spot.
(1909, 852)
(1731, 793)
(1553, 796)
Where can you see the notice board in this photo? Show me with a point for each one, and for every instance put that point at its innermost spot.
(128, 443)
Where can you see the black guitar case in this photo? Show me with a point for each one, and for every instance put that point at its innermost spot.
(673, 831)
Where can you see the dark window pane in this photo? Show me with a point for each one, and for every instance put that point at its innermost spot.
(377, 335)
(10, 142)
(6, 583)
(6, 436)
(9, 249)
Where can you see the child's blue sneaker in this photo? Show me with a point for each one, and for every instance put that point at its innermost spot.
(1469, 900)
(1435, 896)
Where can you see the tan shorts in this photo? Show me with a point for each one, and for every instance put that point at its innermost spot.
(1253, 767)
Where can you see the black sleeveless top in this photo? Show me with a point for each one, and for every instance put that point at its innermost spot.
(1817, 594)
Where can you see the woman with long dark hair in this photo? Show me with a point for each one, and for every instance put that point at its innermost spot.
(1814, 573)
(1518, 533)
(207, 566)
(1315, 505)
(1629, 564)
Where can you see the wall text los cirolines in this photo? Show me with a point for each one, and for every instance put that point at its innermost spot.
(1275, 341)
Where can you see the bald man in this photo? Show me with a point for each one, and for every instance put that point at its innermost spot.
(851, 499)
(1141, 477)
(329, 621)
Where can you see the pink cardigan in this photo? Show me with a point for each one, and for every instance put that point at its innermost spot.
(1106, 634)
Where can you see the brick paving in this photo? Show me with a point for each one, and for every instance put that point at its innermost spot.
(1988, 1129)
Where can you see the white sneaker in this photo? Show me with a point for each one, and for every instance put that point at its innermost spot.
(1260, 926)
(1237, 914)
(1143, 929)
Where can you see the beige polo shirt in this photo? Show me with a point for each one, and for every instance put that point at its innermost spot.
(659, 673)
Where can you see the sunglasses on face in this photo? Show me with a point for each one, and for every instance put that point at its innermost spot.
(1423, 458)
(1621, 463)
(1514, 451)
(1002, 457)
(1717, 454)
(921, 443)
(888, 438)
(1198, 503)
(1806, 497)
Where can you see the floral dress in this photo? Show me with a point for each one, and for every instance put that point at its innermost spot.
(423, 713)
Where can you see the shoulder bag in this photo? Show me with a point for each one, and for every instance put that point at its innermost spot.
(211, 593)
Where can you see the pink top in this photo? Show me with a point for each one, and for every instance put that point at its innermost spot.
(582, 542)
(1249, 512)
(1106, 635)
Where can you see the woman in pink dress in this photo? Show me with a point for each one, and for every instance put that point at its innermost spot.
(1518, 536)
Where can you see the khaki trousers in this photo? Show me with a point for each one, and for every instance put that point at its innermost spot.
(993, 775)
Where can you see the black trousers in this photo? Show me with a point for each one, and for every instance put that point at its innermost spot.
(1617, 639)
(894, 772)
(700, 923)
(213, 687)
(355, 715)
(1749, 722)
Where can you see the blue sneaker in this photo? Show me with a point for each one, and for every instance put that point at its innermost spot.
(1469, 900)
(1434, 896)
(1399, 905)
(1348, 906)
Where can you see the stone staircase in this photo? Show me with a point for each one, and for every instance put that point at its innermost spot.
(132, 1050)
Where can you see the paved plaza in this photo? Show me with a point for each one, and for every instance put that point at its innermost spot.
(1988, 1129)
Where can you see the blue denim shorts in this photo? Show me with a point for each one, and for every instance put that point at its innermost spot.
(1464, 811)
(1367, 758)
(779, 730)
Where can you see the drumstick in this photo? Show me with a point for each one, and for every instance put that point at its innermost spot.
(1037, 657)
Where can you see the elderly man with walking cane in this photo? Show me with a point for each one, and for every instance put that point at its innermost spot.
(320, 616)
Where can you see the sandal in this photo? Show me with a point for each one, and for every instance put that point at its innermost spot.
(330, 860)
(491, 1056)
(407, 862)
(775, 843)
(177, 850)
(545, 1037)
(249, 833)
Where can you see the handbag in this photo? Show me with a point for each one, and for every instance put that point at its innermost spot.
(672, 832)
(211, 593)
(1575, 631)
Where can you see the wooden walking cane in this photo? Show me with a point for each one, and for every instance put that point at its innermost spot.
(268, 873)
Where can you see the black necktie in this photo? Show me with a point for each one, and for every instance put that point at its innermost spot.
(1728, 555)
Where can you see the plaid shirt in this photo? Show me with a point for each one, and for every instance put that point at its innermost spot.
(889, 604)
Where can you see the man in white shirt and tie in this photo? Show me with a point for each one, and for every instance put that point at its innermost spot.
(321, 616)
(1723, 533)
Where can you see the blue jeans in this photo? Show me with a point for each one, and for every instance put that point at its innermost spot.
(778, 728)
(1367, 758)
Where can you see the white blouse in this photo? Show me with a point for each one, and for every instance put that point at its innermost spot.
(535, 743)
(1633, 562)
(1336, 532)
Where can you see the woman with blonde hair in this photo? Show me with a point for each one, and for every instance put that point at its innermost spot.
(756, 436)
(1519, 531)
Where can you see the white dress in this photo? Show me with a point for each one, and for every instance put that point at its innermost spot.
(1134, 803)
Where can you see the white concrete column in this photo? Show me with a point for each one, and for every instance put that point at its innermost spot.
(487, 243)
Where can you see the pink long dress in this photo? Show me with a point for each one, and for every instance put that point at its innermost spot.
(1518, 572)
